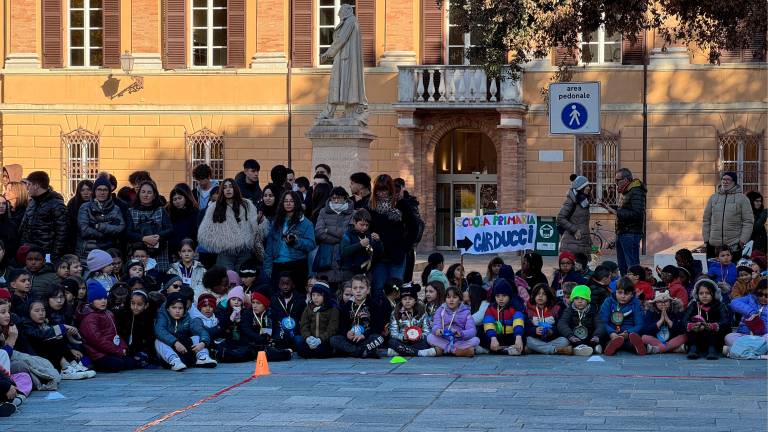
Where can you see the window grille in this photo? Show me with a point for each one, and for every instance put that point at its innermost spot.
(205, 147)
(597, 159)
(741, 152)
(82, 163)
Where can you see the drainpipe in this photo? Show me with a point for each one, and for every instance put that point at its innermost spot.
(645, 136)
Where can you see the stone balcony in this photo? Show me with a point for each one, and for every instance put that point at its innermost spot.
(454, 87)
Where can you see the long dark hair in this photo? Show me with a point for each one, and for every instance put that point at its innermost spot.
(281, 214)
(220, 212)
(383, 183)
(190, 205)
(155, 203)
(547, 291)
(320, 196)
(270, 211)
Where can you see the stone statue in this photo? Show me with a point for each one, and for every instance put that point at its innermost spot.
(347, 86)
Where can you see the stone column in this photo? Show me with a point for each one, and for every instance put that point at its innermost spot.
(344, 147)
(511, 172)
(22, 20)
(399, 37)
(146, 35)
(270, 35)
(408, 127)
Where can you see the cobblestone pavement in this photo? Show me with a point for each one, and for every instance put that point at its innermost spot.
(531, 393)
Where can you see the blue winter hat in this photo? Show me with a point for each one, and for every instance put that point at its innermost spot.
(102, 180)
(501, 286)
(506, 272)
(96, 291)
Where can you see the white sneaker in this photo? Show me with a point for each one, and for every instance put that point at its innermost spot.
(178, 365)
(480, 350)
(391, 352)
(598, 349)
(205, 361)
(513, 351)
(69, 373)
(583, 350)
(427, 352)
(80, 367)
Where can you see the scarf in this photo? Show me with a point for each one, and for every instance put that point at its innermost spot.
(385, 207)
(579, 198)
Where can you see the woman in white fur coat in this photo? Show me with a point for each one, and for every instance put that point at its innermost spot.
(231, 228)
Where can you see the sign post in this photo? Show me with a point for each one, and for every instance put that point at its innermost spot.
(492, 234)
(574, 108)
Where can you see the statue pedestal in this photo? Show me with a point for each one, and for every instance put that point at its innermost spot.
(343, 145)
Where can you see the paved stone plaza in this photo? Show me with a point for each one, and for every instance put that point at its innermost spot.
(667, 393)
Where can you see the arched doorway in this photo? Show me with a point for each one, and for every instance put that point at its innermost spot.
(466, 166)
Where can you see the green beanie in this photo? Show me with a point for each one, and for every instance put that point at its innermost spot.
(581, 291)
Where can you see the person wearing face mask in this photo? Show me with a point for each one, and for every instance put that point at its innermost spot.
(332, 223)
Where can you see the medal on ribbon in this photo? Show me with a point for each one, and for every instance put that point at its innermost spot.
(116, 340)
(288, 323)
(617, 317)
(413, 333)
(358, 330)
(581, 332)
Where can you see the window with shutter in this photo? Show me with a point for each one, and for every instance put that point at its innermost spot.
(432, 30)
(209, 33)
(174, 34)
(601, 48)
(301, 35)
(236, 33)
(458, 43)
(51, 34)
(81, 147)
(327, 20)
(86, 33)
(111, 33)
(632, 54)
(562, 57)
(753, 54)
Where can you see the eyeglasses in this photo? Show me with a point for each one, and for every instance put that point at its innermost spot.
(177, 285)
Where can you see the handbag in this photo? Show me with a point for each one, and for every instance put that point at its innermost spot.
(323, 258)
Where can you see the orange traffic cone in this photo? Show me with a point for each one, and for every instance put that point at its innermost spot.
(262, 366)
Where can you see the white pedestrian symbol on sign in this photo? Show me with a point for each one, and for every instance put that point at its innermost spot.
(574, 116)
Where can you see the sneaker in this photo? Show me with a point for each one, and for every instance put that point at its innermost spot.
(513, 351)
(650, 349)
(598, 349)
(637, 343)
(69, 373)
(178, 365)
(79, 366)
(428, 353)
(205, 361)
(481, 350)
(391, 352)
(726, 350)
(682, 349)
(583, 350)
(566, 350)
(7, 409)
(614, 345)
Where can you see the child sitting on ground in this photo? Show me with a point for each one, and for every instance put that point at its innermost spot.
(453, 329)
(319, 322)
(434, 297)
(581, 324)
(135, 325)
(565, 273)
(42, 274)
(105, 347)
(20, 285)
(256, 326)
(409, 326)
(672, 278)
(75, 266)
(622, 315)
(744, 283)
(707, 321)
(359, 320)
(100, 269)
(664, 324)
(503, 324)
(540, 318)
(286, 310)
(234, 348)
(180, 339)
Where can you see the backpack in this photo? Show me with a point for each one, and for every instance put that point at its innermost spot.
(748, 348)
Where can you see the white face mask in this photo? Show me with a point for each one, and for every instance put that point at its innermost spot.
(338, 208)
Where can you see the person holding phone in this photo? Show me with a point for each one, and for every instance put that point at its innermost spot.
(630, 218)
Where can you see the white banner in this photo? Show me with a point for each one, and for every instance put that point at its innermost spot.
(491, 234)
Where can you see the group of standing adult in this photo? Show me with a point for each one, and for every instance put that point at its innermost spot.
(731, 218)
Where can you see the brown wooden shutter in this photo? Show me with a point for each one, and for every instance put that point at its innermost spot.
(174, 34)
(52, 35)
(754, 53)
(301, 36)
(562, 56)
(111, 14)
(432, 29)
(236, 33)
(632, 54)
(366, 18)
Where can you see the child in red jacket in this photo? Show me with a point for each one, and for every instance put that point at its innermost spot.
(672, 277)
(99, 330)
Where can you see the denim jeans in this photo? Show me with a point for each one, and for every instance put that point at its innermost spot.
(383, 271)
(628, 251)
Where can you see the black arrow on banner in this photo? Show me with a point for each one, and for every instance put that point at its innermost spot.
(464, 243)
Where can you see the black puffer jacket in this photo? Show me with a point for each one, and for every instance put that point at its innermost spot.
(45, 223)
(631, 214)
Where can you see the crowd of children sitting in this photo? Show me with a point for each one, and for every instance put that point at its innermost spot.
(117, 316)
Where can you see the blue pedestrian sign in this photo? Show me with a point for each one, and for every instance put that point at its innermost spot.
(574, 108)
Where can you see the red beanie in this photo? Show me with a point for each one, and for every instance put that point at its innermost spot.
(5, 294)
(206, 299)
(567, 255)
(261, 298)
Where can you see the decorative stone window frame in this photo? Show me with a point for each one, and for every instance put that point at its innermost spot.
(741, 150)
(81, 150)
(601, 167)
(205, 146)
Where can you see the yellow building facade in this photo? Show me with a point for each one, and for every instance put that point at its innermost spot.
(221, 81)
